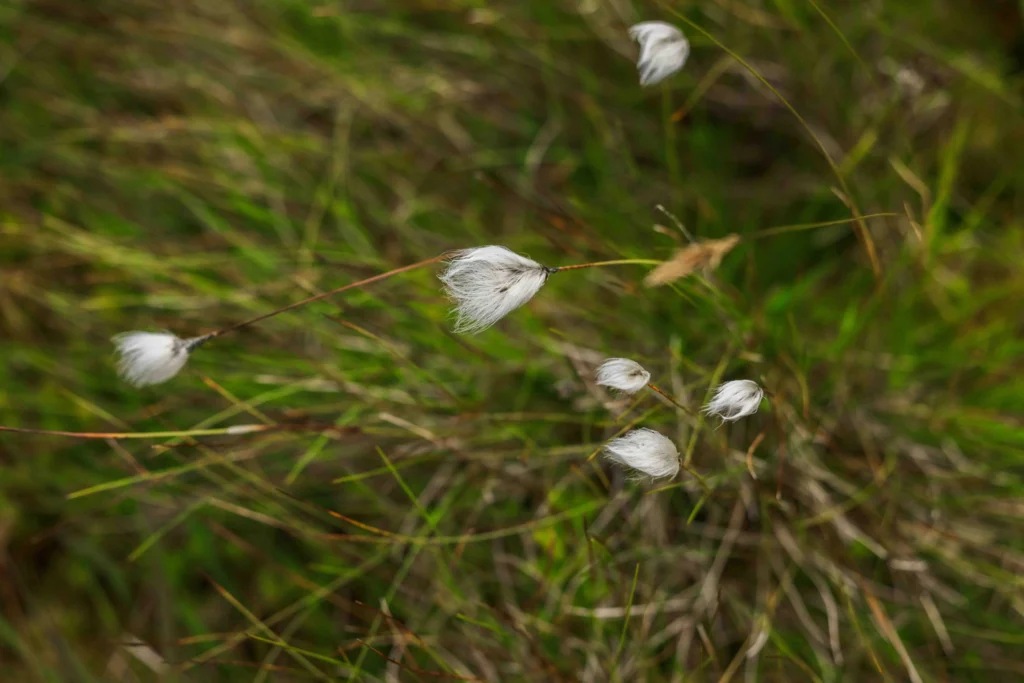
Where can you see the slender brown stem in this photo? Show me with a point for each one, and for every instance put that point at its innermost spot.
(219, 431)
(782, 229)
(598, 264)
(324, 295)
(121, 435)
(653, 387)
(700, 479)
(750, 454)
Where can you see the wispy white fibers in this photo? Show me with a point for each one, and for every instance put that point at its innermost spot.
(645, 451)
(151, 358)
(623, 374)
(488, 283)
(735, 399)
(663, 50)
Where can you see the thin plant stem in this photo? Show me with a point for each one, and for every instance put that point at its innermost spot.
(700, 479)
(126, 435)
(782, 229)
(679, 223)
(653, 387)
(600, 264)
(317, 297)
(750, 454)
(219, 431)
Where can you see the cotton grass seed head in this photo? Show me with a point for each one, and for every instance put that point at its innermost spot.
(488, 283)
(646, 452)
(623, 374)
(735, 399)
(150, 357)
(663, 50)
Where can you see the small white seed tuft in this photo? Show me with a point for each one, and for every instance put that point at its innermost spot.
(488, 283)
(663, 50)
(646, 452)
(150, 357)
(623, 374)
(734, 400)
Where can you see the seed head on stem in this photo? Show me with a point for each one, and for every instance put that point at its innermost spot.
(488, 283)
(623, 374)
(152, 357)
(663, 50)
(646, 452)
(735, 399)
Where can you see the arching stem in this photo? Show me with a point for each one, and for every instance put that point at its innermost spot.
(700, 479)
(196, 342)
(671, 399)
(236, 430)
(601, 264)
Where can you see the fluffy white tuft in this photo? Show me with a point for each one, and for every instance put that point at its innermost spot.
(663, 50)
(488, 283)
(645, 451)
(623, 374)
(735, 399)
(150, 358)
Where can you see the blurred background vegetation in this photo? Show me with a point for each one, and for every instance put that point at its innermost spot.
(184, 164)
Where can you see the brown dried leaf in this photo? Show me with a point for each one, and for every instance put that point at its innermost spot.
(704, 256)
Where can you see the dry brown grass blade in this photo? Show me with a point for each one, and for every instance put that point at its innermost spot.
(750, 454)
(703, 256)
(889, 631)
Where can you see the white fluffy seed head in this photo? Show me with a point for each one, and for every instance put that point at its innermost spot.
(735, 399)
(149, 357)
(646, 452)
(623, 374)
(488, 283)
(663, 50)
